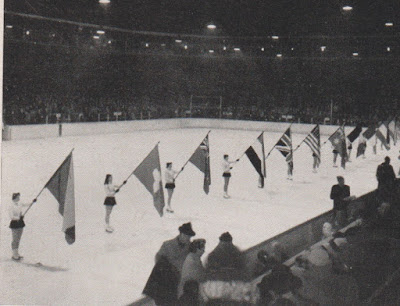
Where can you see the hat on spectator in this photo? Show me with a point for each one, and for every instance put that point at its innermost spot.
(186, 229)
(226, 237)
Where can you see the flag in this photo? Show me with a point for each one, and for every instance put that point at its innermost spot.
(338, 141)
(391, 131)
(354, 133)
(314, 142)
(284, 145)
(256, 155)
(61, 185)
(369, 132)
(382, 138)
(149, 174)
(201, 159)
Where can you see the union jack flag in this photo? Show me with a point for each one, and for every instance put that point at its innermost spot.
(284, 145)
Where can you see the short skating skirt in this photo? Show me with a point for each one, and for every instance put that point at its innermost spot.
(226, 174)
(170, 185)
(110, 201)
(17, 223)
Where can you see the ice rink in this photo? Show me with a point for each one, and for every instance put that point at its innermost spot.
(102, 268)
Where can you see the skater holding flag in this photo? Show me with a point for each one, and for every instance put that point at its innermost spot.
(17, 223)
(109, 202)
(226, 168)
(170, 184)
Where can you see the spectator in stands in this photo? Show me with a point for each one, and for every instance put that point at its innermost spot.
(385, 176)
(265, 262)
(192, 267)
(163, 282)
(327, 230)
(226, 260)
(340, 194)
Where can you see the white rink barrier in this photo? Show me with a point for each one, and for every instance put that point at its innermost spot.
(20, 132)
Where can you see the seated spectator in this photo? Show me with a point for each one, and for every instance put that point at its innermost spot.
(327, 230)
(192, 267)
(226, 260)
(264, 263)
(278, 252)
(190, 294)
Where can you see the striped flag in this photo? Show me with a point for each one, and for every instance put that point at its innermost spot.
(382, 138)
(369, 132)
(354, 133)
(314, 142)
(284, 145)
(201, 159)
(256, 155)
(61, 185)
(149, 174)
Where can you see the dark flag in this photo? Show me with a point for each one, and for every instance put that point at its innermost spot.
(256, 155)
(149, 174)
(391, 131)
(61, 185)
(314, 142)
(382, 138)
(201, 159)
(284, 145)
(369, 132)
(354, 133)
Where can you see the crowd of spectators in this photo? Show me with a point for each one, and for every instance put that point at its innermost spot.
(51, 108)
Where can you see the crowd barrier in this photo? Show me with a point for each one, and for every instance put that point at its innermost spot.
(296, 239)
(21, 132)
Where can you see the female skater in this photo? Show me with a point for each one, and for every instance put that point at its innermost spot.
(17, 224)
(226, 167)
(170, 184)
(109, 202)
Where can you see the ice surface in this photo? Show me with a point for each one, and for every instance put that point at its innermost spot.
(102, 268)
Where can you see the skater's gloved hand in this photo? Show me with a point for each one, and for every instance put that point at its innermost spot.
(182, 168)
(34, 200)
(116, 190)
(237, 159)
(124, 183)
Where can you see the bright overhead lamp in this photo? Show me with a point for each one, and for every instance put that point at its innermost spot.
(96, 37)
(185, 47)
(355, 53)
(262, 49)
(211, 51)
(323, 48)
(279, 55)
(178, 41)
(9, 26)
(275, 37)
(147, 45)
(100, 32)
(211, 26)
(109, 42)
(27, 32)
(389, 24)
(388, 49)
(224, 48)
(236, 49)
(347, 8)
(104, 1)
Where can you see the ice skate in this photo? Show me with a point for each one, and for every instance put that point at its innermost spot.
(226, 195)
(109, 229)
(170, 210)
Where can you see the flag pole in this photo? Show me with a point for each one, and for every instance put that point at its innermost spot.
(126, 180)
(179, 172)
(34, 200)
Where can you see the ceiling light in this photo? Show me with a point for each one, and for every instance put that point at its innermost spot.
(147, 45)
(355, 53)
(388, 49)
(163, 45)
(178, 41)
(109, 42)
(224, 48)
(389, 24)
(96, 37)
(211, 27)
(236, 49)
(323, 48)
(27, 32)
(100, 32)
(263, 49)
(279, 55)
(186, 47)
(275, 37)
(292, 49)
(211, 51)
(9, 26)
(347, 8)
(104, 1)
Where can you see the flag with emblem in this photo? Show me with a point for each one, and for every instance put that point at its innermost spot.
(314, 142)
(256, 155)
(284, 145)
(149, 174)
(61, 186)
(201, 159)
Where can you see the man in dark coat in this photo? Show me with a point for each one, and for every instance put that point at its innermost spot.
(162, 284)
(340, 194)
(385, 176)
(226, 260)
